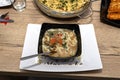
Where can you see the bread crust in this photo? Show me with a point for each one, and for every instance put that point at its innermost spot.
(113, 16)
(114, 7)
(115, 0)
(114, 10)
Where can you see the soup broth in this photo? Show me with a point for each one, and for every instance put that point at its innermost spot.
(61, 42)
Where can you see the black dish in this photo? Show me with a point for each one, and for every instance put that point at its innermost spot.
(46, 26)
(103, 14)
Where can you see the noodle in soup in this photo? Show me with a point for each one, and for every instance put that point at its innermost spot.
(62, 42)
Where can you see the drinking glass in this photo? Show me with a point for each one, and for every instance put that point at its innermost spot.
(19, 5)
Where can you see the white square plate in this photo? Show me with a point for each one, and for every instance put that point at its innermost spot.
(90, 57)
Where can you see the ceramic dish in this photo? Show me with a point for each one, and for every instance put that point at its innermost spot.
(62, 14)
(48, 26)
(90, 57)
(4, 3)
(103, 14)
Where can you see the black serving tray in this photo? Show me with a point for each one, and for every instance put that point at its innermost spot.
(103, 14)
(75, 27)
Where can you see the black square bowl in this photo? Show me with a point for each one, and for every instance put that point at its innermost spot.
(75, 27)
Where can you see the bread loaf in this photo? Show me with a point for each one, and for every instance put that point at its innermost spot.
(114, 10)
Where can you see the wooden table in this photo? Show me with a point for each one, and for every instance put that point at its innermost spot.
(12, 38)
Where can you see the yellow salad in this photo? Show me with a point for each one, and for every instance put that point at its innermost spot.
(64, 5)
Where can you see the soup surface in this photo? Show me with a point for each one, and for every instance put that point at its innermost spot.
(61, 43)
(64, 5)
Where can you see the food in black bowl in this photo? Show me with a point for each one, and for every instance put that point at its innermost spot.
(61, 41)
